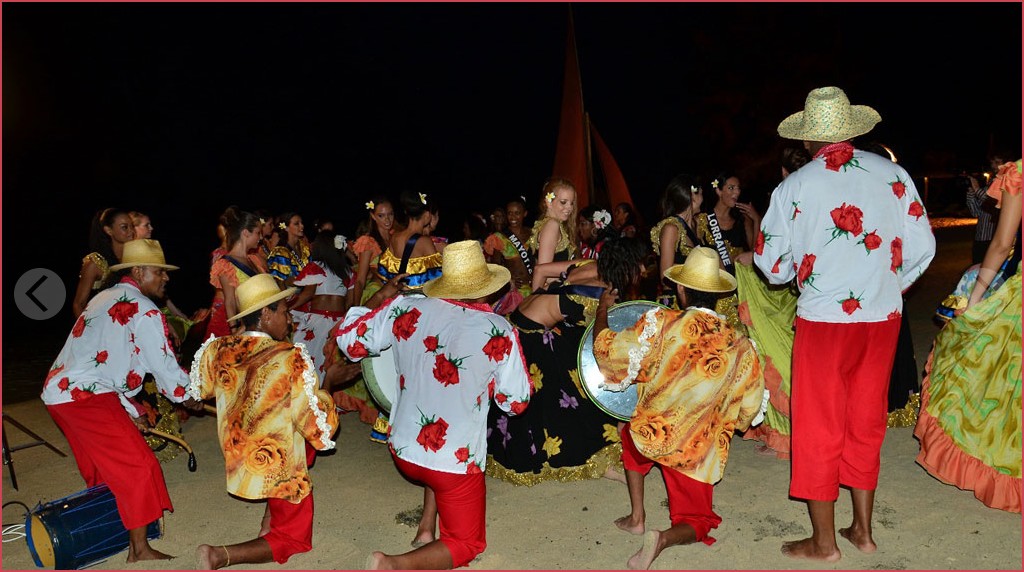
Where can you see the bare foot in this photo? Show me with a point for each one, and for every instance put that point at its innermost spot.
(630, 525)
(377, 561)
(146, 553)
(208, 558)
(645, 556)
(861, 539)
(806, 548)
(614, 475)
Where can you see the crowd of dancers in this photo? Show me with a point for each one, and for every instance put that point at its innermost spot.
(313, 308)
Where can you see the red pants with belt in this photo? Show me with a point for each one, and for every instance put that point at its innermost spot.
(689, 500)
(461, 509)
(839, 405)
(108, 448)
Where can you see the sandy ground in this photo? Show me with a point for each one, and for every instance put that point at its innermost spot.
(361, 499)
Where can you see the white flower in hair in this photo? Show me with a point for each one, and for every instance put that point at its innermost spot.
(714, 183)
(693, 189)
(423, 198)
(549, 197)
(601, 218)
(370, 205)
(340, 242)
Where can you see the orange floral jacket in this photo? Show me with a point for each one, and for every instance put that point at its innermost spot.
(697, 382)
(268, 406)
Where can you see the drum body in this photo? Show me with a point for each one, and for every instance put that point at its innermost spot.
(619, 405)
(79, 530)
(381, 377)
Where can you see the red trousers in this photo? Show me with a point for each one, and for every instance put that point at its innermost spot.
(291, 525)
(838, 405)
(461, 509)
(689, 500)
(108, 448)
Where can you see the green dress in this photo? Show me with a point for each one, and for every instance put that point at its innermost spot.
(970, 420)
(768, 312)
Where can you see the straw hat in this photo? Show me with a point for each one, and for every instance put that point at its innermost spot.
(702, 272)
(259, 291)
(142, 252)
(828, 117)
(465, 275)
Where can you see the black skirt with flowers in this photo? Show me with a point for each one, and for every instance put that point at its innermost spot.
(562, 435)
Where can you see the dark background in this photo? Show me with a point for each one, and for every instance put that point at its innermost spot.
(179, 110)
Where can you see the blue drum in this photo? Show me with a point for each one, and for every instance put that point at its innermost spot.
(78, 530)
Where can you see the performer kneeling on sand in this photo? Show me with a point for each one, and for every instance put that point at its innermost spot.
(271, 419)
(698, 381)
(452, 355)
(119, 338)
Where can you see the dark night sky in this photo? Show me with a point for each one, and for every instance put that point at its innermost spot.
(182, 109)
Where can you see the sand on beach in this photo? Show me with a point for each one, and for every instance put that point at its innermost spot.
(362, 504)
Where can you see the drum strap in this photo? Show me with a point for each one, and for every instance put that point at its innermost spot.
(407, 253)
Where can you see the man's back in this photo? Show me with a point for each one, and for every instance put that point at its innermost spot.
(854, 233)
(451, 359)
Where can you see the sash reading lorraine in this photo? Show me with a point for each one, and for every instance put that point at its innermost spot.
(523, 254)
(716, 234)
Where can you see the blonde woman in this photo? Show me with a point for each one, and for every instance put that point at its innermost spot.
(554, 235)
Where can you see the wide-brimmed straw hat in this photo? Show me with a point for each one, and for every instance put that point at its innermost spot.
(465, 275)
(702, 272)
(142, 252)
(828, 117)
(257, 292)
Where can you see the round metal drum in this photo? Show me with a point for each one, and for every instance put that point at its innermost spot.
(619, 405)
(381, 377)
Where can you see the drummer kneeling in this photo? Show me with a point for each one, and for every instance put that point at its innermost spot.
(697, 380)
(269, 430)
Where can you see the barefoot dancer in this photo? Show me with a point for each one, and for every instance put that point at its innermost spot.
(850, 227)
(698, 381)
(271, 417)
(453, 355)
(119, 338)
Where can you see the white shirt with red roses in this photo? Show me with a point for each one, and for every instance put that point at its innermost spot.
(327, 282)
(452, 359)
(119, 338)
(850, 227)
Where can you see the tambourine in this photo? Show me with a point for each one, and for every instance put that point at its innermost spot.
(619, 405)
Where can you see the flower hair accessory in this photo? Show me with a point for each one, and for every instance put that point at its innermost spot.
(370, 206)
(340, 242)
(262, 222)
(282, 226)
(423, 198)
(714, 184)
(549, 197)
(601, 219)
(693, 189)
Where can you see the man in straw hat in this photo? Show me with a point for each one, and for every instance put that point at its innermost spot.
(850, 227)
(271, 418)
(698, 380)
(453, 355)
(119, 338)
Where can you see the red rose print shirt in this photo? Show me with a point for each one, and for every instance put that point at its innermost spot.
(452, 359)
(851, 229)
(119, 338)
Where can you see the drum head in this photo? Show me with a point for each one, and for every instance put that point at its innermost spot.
(381, 377)
(619, 405)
